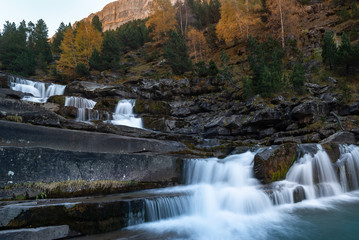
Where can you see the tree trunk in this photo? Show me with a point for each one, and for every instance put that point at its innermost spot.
(247, 21)
(281, 22)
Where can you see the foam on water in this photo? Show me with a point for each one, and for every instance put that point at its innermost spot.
(124, 114)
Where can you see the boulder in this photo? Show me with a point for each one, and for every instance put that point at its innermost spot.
(309, 111)
(341, 137)
(273, 163)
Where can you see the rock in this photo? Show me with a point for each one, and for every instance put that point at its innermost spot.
(4, 83)
(308, 111)
(332, 80)
(299, 194)
(11, 94)
(41, 233)
(273, 163)
(333, 151)
(287, 140)
(341, 137)
(153, 107)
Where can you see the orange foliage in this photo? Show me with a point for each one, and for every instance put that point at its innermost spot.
(68, 60)
(283, 18)
(162, 18)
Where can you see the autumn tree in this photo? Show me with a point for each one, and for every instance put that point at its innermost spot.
(236, 18)
(184, 14)
(282, 18)
(86, 40)
(162, 18)
(197, 43)
(68, 59)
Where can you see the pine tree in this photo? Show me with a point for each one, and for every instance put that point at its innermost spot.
(59, 36)
(96, 62)
(212, 69)
(42, 47)
(329, 50)
(96, 23)
(176, 53)
(110, 50)
(353, 33)
(214, 11)
(345, 53)
(297, 78)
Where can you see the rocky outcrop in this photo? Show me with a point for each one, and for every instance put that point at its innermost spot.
(273, 163)
(120, 12)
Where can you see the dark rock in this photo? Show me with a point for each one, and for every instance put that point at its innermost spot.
(299, 194)
(282, 140)
(333, 151)
(308, 111)
(273, 163)
(341, 137)
(8, 93)
(53, 232)
(332, 80)
(4, 83)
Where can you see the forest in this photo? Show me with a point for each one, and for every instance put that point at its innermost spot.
(194, 39)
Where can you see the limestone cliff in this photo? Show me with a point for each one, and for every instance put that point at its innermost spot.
(119, 12)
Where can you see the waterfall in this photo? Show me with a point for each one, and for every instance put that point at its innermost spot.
(39, 92)
(124, 114)
(313, 177)
(85, 112)
(221, 186)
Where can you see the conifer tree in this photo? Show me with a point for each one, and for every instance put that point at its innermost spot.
(297, 78)
(176, 53)
(42, 46)
(329, 50)
(110, 50)
(59, 36)
(96, 23)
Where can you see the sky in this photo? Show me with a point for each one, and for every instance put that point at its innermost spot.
(53, 12)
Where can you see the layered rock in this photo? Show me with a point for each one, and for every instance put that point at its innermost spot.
(120, 12)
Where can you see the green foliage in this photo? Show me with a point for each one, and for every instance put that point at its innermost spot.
(212, 68)
(176, 53)
(329, 50)
(247, 91)
(82, 70)
(353, 33)
(345, 95)
(297, 78)
(205, 13)
(133, 34)
(59, 36)
(42, 45)
(95, 61)
(110, 50)
(201, 69)
(345, 54)
(265, 61)
(211, 37)
(343, 14)
(96, 23)
(224, 58)
(355, 10)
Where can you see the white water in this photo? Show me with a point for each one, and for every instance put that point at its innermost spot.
(222, 200)
(39, 92)
(124, 114)
(84, 108)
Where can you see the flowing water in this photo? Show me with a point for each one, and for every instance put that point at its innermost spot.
(222, 200)
(36, 91)
(85, 112)
(124, 114)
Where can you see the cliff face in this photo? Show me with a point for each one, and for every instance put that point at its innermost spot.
(121, 11)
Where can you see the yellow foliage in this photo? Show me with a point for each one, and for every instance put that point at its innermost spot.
(78, 48)
(162, 18)
(87, 39)
(68, 60)
(197, 43)
(236, 18)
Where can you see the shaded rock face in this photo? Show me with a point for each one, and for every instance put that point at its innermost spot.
(82, 218)
(272, 164)
(120, 12)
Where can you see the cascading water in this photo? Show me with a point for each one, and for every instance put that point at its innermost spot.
(124, 114)
(222, 200)
(39, 91)
(84, 108)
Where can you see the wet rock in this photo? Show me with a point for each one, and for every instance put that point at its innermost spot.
(299, 194)
(273, 163)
